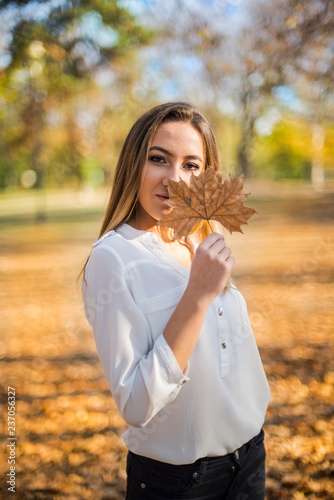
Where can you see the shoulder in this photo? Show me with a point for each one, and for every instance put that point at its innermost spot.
(111, 250)
(113, 243)
(118, 248)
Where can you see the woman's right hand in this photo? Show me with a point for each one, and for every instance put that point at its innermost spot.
(210, 268)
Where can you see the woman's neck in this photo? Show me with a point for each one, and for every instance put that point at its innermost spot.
(163, 233)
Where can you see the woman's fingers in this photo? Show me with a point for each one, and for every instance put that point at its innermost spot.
(211, 240)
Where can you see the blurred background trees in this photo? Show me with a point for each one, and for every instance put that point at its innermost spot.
(75, 75)
(67, 67)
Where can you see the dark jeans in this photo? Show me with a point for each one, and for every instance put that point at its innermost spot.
(236, 476)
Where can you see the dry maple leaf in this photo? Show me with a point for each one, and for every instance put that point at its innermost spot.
(206, 198)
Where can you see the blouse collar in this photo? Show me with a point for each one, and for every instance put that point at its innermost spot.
(150, 240)
(132, 232)
(126, 230)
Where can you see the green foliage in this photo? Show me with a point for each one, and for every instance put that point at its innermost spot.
(50, 103)
(92, 172)
(69, 33)
(285, 154)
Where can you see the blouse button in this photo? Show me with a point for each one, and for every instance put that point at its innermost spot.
(223, 345)
(143, 485)
(220, 311)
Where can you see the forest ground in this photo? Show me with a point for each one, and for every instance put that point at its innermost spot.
(67, 425)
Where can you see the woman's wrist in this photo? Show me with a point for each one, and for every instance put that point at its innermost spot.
(197, 299)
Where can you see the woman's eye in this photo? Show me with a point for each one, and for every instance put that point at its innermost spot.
(191, 166)
(161, 160)
(157, 159)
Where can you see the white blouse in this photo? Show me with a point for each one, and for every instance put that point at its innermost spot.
(132, 288)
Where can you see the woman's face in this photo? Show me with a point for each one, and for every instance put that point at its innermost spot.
(176, 152)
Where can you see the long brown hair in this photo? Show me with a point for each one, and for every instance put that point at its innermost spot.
(123, 200)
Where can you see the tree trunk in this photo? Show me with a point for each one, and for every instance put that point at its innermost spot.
(245, 145)
(243, 157)
(317, 173)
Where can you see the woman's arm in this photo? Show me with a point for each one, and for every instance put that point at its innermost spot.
(210, 270)
(143, 378)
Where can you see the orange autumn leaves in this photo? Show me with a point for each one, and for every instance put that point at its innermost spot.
(207, 198)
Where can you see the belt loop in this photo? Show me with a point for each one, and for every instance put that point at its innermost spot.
(202, 469)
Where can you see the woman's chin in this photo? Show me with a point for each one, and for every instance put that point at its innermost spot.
(159, 214)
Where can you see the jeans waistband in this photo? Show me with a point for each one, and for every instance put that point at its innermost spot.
(252, 443)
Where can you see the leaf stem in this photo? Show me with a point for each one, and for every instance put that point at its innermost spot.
(210, 226)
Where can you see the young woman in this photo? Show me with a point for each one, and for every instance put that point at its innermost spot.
(172, 332)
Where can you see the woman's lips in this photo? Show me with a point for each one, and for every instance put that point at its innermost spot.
(162, 198)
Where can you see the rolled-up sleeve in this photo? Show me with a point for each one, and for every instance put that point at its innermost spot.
(142, 378)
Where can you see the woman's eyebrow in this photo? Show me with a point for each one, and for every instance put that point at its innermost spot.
(188, 157)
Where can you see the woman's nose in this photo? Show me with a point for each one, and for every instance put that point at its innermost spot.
(174, 175)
